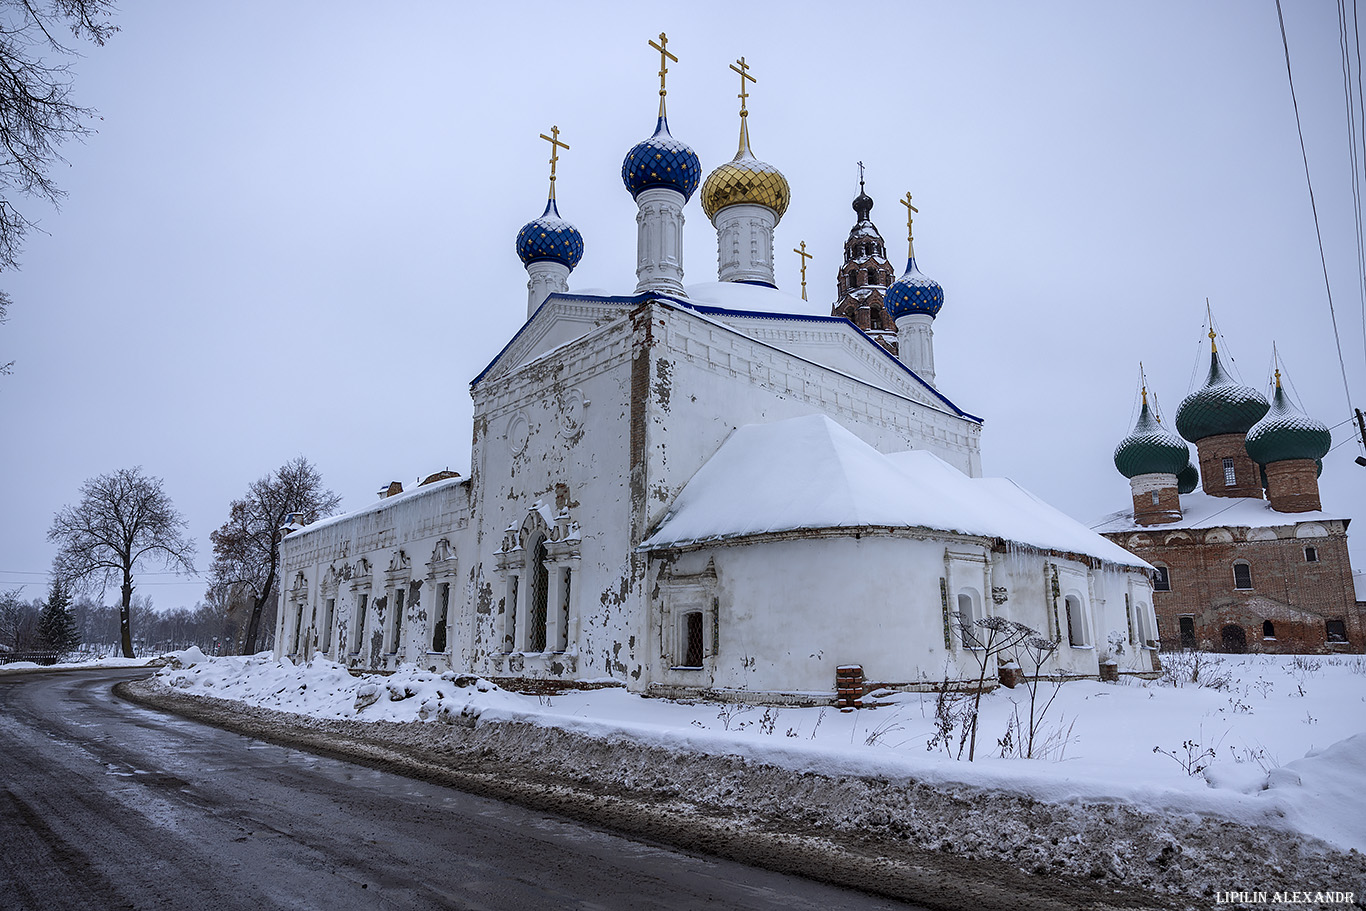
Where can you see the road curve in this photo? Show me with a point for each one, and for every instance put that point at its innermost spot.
(108, 805)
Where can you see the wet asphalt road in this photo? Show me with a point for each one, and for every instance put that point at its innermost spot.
(106, 805)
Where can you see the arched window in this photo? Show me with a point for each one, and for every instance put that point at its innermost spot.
(1076, 622)
(969, 612)
(1162, 580)
(1242, 575)
(443, 613)
(693, 648)
(536, 604)
(1268, 630)
(876, 320)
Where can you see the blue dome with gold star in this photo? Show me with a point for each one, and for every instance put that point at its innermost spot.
(550, 238)
(913, 292)
(661, 161)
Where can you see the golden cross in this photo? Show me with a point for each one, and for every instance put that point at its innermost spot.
(555, 146)
(664, 58)
(743, 70)
(1213, 347)
(805, 256)
(910, 211)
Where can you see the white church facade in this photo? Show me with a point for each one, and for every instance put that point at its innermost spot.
(701, 488)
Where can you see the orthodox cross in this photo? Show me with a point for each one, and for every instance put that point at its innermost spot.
(1209, 314)
(664, 58)
(860, 176)
(555, 146)
(743, 70)
(804, 257)
(911, 211)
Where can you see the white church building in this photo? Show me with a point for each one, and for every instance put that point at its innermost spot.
(702, 488)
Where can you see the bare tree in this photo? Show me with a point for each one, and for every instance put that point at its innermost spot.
(37, 113)
(123, 521)
(246, 549)
(36, 110)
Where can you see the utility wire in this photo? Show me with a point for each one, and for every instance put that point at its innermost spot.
(1323, 258)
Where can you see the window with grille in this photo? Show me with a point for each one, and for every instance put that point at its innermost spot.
(398, 620)
(360, 623)
(536, 607)
(692, 632)
(443, 613)
(1230, 479)
(1242, 575)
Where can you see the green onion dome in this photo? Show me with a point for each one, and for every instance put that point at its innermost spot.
(1187, 479)
(1150, 449)
(1222, 406)
(1287, 433)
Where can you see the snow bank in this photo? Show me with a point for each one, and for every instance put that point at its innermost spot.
(1278, 745)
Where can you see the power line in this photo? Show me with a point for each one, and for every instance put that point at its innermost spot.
(1313, 206)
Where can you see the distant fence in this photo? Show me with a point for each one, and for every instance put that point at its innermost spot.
(35, 657)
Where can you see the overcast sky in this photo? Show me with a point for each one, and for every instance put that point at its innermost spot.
(293, 232)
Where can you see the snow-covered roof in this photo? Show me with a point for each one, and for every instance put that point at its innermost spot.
(811, 473)
(383, 503)
(1200, 510)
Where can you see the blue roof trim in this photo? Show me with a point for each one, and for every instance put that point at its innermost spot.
(816, 318)
(610, 299)
(708, 310)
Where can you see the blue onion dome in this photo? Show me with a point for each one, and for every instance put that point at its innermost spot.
(913, 292)
(1187, 479)
(1151, 449)
(1287, 433)
(1223, 405)
(550, 238)
(661, 161)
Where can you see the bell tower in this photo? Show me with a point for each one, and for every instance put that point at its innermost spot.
(865, 275)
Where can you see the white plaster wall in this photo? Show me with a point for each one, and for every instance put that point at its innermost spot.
(563, 419)
(792, 610)
(413, 523)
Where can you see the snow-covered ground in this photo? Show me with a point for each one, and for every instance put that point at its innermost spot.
(112, 661)
(1265, 740)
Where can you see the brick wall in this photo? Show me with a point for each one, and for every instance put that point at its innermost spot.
(1297, 596)
(1293, 485)
(1247, 476)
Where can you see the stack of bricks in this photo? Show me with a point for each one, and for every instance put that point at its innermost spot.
(849, 687)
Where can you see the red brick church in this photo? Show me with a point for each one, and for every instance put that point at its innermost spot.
(1247, 558)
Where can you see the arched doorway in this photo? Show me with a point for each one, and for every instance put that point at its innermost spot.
(1234, 639)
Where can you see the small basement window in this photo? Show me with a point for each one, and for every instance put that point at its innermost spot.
(1268, 630)
(1335, 630)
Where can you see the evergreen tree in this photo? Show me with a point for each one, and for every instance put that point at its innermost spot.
(56, 626)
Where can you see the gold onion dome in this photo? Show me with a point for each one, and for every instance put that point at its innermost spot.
(745, 179)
